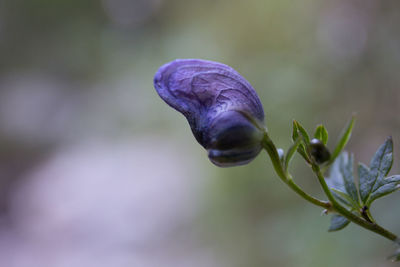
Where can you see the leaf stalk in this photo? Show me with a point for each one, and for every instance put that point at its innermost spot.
(332, 205)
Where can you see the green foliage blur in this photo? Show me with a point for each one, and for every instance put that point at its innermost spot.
(82, 70)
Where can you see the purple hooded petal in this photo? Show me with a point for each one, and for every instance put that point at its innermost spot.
(213, 96)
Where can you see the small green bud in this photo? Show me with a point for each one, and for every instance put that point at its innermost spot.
(318, 151)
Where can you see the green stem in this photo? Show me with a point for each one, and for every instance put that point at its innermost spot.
(369, 216)
(332, 205)
(347, 214)
(286, 177)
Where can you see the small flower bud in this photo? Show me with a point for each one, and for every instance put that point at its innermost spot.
(281, 154)
(214, 98)
(319, 151)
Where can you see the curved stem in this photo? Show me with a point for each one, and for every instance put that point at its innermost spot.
(332, 205)
(313, 200)
(286, 177)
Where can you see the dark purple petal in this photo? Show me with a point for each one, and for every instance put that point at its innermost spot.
(213, 97)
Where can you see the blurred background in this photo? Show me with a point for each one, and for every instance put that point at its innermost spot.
(96, 170)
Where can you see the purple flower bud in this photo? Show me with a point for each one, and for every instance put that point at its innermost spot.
(217, 102)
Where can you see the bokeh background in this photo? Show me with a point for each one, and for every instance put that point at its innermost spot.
(96, 170)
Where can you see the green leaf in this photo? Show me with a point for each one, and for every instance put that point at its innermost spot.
(363, 178)
(344, 198)
(341, 181)
(338, 222)
(321, 134)
(344, 138)
(291, 152)
(346, 169)
(295, 132)
(302, 131)
(392, 179)
(372, 181)
(302, 135)
(335, 179)
(381, 164)
(391, 184)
